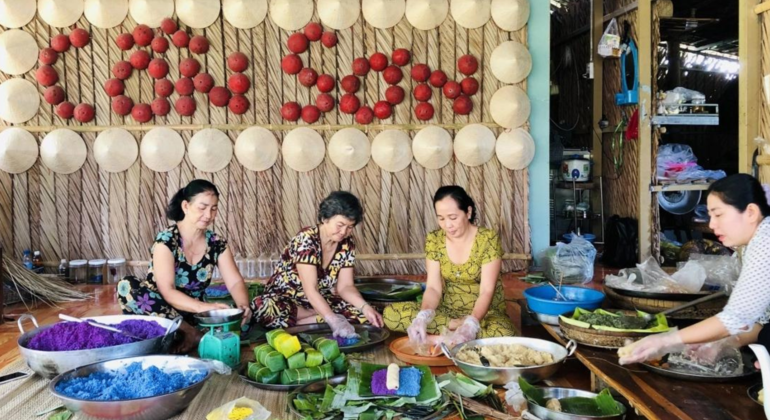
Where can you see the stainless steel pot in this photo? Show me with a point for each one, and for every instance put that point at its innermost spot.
(560, 393)
(503, 375)
(51, 363)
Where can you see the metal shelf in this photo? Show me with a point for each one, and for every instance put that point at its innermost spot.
(686, 119)
(679, 187)
(566, 185)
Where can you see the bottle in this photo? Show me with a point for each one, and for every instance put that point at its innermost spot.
(27, 260)
(37, 260)
(63, 270)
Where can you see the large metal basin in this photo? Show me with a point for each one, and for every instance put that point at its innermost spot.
(501, 376)
(560, 393)
(48, 364)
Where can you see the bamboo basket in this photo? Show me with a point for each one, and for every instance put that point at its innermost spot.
(698, 312)
(598, 338)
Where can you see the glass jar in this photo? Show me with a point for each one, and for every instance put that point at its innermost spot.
(96, 271)
(264, 262)
(251, 270)
(116, 270)
(275, 259)
(78, 271)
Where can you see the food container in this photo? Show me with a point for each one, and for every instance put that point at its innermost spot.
(577, 169)
(78, 271)
(541, 299)
(559, 393)
(116, 270)
(96, 271)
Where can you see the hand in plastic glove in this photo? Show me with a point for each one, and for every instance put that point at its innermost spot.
(651, 347)
(418, 330)
(340, 326)
(465, 332)
(710, 353)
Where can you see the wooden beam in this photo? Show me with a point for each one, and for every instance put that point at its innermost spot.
(605, 18)
(598, 84)
(646, 110)
(749, 81)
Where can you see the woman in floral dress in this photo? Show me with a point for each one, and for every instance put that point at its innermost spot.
(184, 256)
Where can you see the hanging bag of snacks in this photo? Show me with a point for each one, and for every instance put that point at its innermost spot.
(609, 44)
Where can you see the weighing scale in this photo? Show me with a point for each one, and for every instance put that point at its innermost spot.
(222, 341)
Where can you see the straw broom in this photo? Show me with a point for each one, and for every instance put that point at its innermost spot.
(48, 290)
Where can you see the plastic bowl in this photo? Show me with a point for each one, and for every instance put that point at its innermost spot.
(541, 299)
(590, 237)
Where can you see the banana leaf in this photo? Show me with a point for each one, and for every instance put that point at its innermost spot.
(340, 364)
(274, 361)
(286, 344)
(272, 334)
(266, 376)
(463, 385)
(328, 348)
(532, 394)
(363, 338)
(658, 323)
(261, 351)
(251, 371)
(314, 358)
(296, 361)
(359, 386)
(306, 375)
(602, 405)
(395, 292)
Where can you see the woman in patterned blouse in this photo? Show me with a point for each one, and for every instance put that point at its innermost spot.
(314, 279)
(183, 259)
(464, 291)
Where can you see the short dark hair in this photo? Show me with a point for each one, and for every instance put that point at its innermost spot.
(460, 197)
(197, 186)
(739, 191)
(341, 203)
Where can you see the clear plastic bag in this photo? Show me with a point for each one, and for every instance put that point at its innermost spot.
(722, 271)
(609, 44)
(677, 162)
(649, 277)
(225, 412)
(570, 263)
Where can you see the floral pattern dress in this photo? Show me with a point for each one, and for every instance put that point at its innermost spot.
(284, 294)
(142, 297)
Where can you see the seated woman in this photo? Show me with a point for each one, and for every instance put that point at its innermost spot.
(314, 279)
(183, 259)
(463, 292)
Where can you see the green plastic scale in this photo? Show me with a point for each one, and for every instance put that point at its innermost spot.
(222, 341)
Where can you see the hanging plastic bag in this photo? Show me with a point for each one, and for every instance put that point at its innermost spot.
(609, 44)
(240, 409)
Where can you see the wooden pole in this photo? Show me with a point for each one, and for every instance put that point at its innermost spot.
(597, 100)
(644, 25)
(749, 78)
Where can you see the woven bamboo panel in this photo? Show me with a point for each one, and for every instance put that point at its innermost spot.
(764, 111)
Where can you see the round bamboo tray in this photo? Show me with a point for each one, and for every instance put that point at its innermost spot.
(698, 312)
(598, 338)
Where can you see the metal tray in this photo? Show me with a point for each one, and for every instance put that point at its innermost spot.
(377, 336)
(748, 371)
(753, 392)
(685, 297)
(383, 284)
(277, 387)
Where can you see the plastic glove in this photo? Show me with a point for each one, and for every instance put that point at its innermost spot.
(709, 353)
(418, 330)
(651, 347)
(465, 332)
(340, 326)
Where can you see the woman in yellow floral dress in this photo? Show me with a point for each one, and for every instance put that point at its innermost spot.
(464, 290)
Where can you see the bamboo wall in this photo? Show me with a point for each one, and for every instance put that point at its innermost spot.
(92, 213)
(764, 107)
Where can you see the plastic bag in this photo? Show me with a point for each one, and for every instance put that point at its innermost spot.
(649, 277)
(691, 277)
(722, 271)
(719, 358)
(514, 396)
(570, 263)
(677, 162)
(225, 412)
(609, 44)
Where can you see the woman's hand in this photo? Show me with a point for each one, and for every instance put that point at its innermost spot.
(465, 332)
(214, 306)
(418, 330)
(246, 314)
(455, 323)
(372, 315)
(340, 326)
(652, 347)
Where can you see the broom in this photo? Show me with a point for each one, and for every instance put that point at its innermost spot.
(47, 289)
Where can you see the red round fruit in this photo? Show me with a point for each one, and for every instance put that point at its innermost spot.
(184, 86)
(54, 95)
(238, 104)
(297, 43)
(199, 44)
(203, 82)
(470, 86)
(125, 41)
(325, 83)
(467, 64)
(349, 103)
(84, 113)
(180, 39)
(219, 96)
(307, 77)
(189, 67)
(310, 114)
(79, 37)
(329, 39)
(452, 89)
(141, 113)
(65, 110)
(378, 61)
(48, 56)
(364, 115)
(160, 106)
(382, 110)
(140, 59)
(168, 26)
(360, 66)
(420, 73)
(114, 87)
(394, 95)
(122, 105)
(350, 84)
(290, 111)
(438, 78)
(325, 102)
(237, 62)
(158, 68)
(291, 64)
(159, 45)
(143, 36)
(46, 75)
(422, 92)
(122, 70)
(313, 31)
(185, 105)
(60, 43)
(164, 87)
(392, 75)
(401, 57)
(462, 105)
(423, 111)
(238, 83)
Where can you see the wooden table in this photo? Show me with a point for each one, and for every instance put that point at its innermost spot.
(658, 397)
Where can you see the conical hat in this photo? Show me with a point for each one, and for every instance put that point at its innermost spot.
(151, 12)
(383, 14)
(18, 150)
(291, 14)
(471, 14)
(244, 14)
(515, 149)
(511, 62)
(19, 100)
(392, 150)
(510, 15)
(432, 147)
(63, 151)
(509, 107)
(339, 14)
(474, 145)
(162, 149)
(210, 150)
(115, 150)
(106, 13)
(60, 13)
(256, 148)
(349, 149)
(303, 149)
(17, 13)
(426, 14)
(18, 52)
(197, 14)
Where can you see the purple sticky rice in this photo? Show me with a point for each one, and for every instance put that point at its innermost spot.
(344, 342)
(379, 383)
(67, 336)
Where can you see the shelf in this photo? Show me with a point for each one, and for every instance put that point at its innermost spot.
(686, 119)
(679, 187)
(592, 216)
(565, 185)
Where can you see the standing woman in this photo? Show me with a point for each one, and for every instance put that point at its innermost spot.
(184, 256)
(464, 290)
